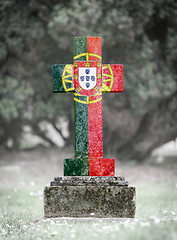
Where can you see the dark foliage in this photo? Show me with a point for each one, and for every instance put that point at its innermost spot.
(141, 35)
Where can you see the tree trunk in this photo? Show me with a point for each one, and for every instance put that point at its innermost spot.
(156, 127)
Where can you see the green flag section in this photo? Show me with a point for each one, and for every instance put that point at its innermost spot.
(81, 130)
(80, 46)
(76, 167)
(62, 78)
(57, 78)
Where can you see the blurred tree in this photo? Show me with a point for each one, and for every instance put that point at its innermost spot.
(141, 35)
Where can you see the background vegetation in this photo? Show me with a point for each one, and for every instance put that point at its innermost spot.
(139, 34)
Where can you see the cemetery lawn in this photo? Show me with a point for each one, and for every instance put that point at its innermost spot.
(21, 202)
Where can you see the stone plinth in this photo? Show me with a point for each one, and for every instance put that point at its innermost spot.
(89, 197)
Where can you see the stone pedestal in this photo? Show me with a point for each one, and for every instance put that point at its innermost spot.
(89, 197)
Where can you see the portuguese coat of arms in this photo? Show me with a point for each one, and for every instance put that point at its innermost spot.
(87, 77)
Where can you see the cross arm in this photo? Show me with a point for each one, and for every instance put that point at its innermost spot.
(112, 78)
(62, 78)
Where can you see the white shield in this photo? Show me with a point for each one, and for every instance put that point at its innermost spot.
(87, 77)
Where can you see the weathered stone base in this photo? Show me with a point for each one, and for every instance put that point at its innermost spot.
(89, 197)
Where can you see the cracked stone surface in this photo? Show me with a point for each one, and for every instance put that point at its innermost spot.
(89, 197)
(87, 180)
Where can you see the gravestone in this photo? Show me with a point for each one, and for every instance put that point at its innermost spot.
(89, 187)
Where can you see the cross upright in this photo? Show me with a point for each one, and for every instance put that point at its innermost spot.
(88, 78)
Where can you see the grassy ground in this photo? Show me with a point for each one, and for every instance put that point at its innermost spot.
(21, 202)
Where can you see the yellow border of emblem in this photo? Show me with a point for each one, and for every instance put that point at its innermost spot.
(67, 78)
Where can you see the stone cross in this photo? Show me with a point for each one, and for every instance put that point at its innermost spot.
(88, 78)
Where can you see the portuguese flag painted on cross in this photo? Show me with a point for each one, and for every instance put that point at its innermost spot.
(87, 78)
